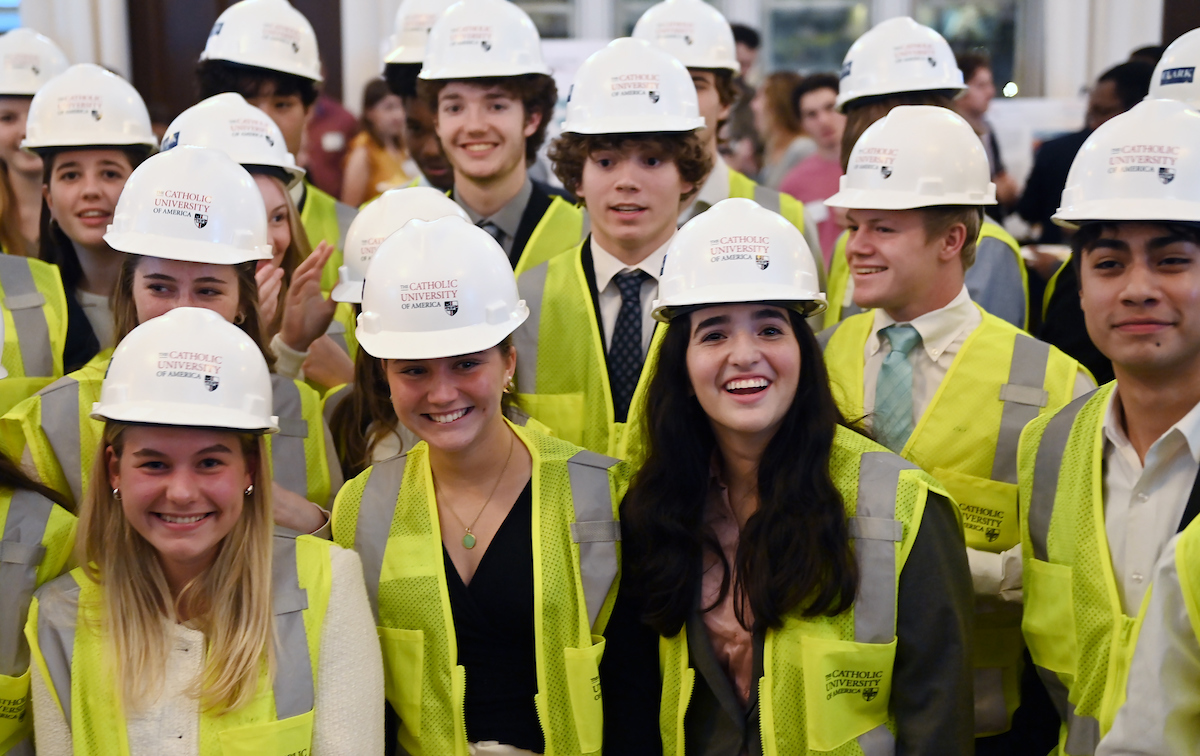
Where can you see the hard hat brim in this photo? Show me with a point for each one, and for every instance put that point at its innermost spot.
(1118, 210)
(874, 199)
(806, 303)
(845, 98)
(433, 345)
(619, 125)
(348, 291)
(153, 413)
(170, 248)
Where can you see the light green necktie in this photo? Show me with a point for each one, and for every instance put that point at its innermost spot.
(893, 419)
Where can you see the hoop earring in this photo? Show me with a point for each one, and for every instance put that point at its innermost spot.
(249, 491)
(239, 319)
(117, 494)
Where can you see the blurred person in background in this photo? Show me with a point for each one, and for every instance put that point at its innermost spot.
(327, 136)
(976, 69)
(816, 177)
(377, 160)
(784, 142)
(746, 43)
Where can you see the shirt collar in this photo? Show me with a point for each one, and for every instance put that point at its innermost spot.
(938, 328)
(1188, 428)
(507, 218)
(607, 266)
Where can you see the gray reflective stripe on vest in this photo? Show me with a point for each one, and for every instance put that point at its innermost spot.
(374, 523)
(531, 285)
(25, 302)
(877, 742)
(345, 216)
(594, 529)
(56, 638)
(24, 748)
(824, 337)
(767, 198)
(21, 553)
(1045, 474)
(60, 423)
(333, 401)
(517, 416)
(1024, 396)
(293, 687)
(337, 332)
(850, 309)
(288, 462)
(586, 227)
(1083, 733)
(876, 532)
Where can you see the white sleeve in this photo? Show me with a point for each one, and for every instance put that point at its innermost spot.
(997, 576)
(288, 362)
(1161, 714)
(348, 717)
(50, 729)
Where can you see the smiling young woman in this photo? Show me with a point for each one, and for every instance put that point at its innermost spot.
(781, 555)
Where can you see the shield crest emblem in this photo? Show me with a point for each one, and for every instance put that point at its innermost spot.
(762, 261)
(886, 171)
(201, 220)
(451, 306)
(1165, 174)
(654, 96)
(211, 382)
(869, 694)
(991, 534)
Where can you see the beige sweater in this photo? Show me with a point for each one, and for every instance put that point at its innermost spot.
(348, 708)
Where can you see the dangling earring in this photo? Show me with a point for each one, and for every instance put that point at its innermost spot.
(117, 494)
(249, 491)
(508, 385)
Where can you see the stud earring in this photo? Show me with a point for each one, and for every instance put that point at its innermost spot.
(508, 385)
(117, 494)
(249, 490)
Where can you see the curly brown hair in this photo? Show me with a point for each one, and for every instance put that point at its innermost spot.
(569, 152)
(537, 93)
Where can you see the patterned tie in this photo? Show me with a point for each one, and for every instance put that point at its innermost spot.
(893, 421)
(496, 232)
(625, 352)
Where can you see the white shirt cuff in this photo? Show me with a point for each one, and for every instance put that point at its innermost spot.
(288, 362)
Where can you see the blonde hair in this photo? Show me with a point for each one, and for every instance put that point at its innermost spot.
(230, 602)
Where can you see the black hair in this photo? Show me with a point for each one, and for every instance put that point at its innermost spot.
(401, 78)
(812, 84)
(1088, 233)
(794, 551)
(970, 62)
(1132, 80)
(747, 35)
(218, 76)
(1150, 54)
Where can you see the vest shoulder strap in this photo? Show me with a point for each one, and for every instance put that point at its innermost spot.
(333, 400)
(1050, 451)
(57, 618)
(374, 522)
(824, 337)
(531, 285)
(595, 530)
(876, 531)
(287, 446)
(21, 553)
(25, 303)
(1024, 396)
(293, 687)
(60, 423)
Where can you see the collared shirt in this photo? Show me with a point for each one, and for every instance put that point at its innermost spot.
(507, 218)
(1162, 704)
(1144, 502)
(607, 267)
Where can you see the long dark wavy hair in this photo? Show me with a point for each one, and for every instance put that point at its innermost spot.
(794, 551)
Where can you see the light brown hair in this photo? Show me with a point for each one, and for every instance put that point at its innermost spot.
(939, 220)
(569, 152)
(537, 92)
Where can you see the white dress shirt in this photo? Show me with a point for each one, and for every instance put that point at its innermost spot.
(1143, 503)
(1161, 714)
(606, 268)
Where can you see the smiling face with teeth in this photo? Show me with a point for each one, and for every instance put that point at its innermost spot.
(452, 403)
(744, 364)
(83, 190)
(181, 490)
(483, 131)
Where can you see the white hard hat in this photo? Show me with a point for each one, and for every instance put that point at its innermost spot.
(738, 251)
(1143, 165)
(268, 34)
(438, 289)
(188, 367)
(414, 19)
(691, 30)
(483, 38)
(27, 61)
(228, 123)
(191, 204)
(87, 106)
(383, 217)
(631, 87)
(916, 156)
(1175, 75)
(898, 55)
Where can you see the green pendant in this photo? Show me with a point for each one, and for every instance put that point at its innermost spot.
(469, 540)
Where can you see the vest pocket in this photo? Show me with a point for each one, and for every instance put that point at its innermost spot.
(563, 413)
(403, 673)
(1049, 621)
(587, 702)
(847, 687)
(988, 507)
(14, 716)
(284, 737)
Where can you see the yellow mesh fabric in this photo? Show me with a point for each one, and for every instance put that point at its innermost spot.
(320, 221)
(316, 463)
(839, 276)
(1187, 566)
(673, 663)
(49, 284)
(558, 230)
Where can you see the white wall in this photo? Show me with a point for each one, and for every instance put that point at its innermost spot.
(89, 31)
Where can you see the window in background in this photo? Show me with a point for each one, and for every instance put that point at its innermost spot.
(812, 36)
(990, 25)
(10, 16)
(555, 19)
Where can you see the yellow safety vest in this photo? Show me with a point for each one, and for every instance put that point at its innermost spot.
(69, 650)
(36, 536)
(827, 681)
(34, 307)
(389, 515)
(53, 435)
(1079, 637)
(560, 229)
(841, 306)
(976, 461)
(326, 219)
(562, 374)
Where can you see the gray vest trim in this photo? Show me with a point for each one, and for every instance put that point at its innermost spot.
(375, 512)
(877, 742)
(824, 337)
(56, 637)
(337, 332)
(21, 553)
(531, 286)
(875, 606)
(767, 198)
(1083, 733)
(1045, 474)
(293, 687)
(345, 216)
(25, 302)
(1023, 398)
(60, 423)
(289, 466)
(333, 401)
(595, 530)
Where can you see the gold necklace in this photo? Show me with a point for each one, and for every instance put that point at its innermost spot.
(468, 540)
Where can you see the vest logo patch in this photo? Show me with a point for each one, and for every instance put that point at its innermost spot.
(842, 681)
(1178, 75)
(983, 520)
